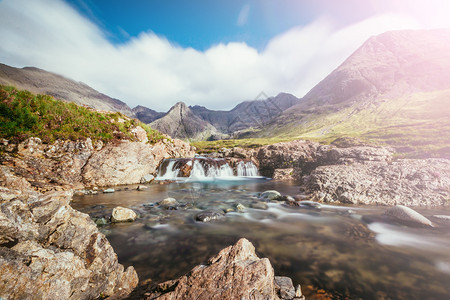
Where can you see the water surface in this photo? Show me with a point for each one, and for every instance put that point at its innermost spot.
(349, 252)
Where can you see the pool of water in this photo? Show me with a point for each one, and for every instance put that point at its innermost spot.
(348, 252)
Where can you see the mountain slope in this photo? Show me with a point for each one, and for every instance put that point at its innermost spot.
(42, 82)
(146, 115)
(394, 89)
(247, 114)
(181, 122)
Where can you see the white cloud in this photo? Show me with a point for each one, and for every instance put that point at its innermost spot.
(243, 15)
(149, 70)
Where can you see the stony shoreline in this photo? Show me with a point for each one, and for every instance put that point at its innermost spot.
(40, 231)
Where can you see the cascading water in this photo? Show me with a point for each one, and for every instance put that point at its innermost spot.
(204, 168)
(247, 169)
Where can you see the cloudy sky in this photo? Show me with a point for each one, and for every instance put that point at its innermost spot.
(211, 53)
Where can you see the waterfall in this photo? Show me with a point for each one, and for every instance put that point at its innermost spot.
(247, 169)
(204, 168)
(167, 170)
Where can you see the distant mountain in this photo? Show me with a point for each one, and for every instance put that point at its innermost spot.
(395, 88)
(146, 115)
(42, 82)
(181, 122)
(247, 114)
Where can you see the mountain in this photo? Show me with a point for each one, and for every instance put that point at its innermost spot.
(42, 82)
(181, 122)
(247, 114)
(394, 89)
(146, 115)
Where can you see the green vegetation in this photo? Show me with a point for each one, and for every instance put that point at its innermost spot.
(23, 115)
(416, 125)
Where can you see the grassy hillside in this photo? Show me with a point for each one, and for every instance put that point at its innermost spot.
(416, 125)
(23, 114)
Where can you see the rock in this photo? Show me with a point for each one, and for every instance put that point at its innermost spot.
(310, 204)
(147, 178)
(141, 187)
(111, 190)
(407, 214)
(270, 195)
(55, 252)
(101, 221)
(122, 214)
(284, 287)
(235, 273)
(259, 205)
(209, 215)
(169, 202)
(283, 174)
(240, 207)
(294, 154)
(409, 182)
(140, 134)
(127, 162)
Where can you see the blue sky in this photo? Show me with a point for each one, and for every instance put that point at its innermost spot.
(203, 23)
(212, 53)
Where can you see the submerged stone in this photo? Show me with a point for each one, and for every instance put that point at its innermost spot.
(107, 191)
(407, 214)
(122, 214)
(209, 215)
(270, 195)
(310, 204)
(259, 205)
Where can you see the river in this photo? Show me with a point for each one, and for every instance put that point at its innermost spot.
(346, 252)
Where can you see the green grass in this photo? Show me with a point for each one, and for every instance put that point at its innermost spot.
(416, 125)
(23, 115)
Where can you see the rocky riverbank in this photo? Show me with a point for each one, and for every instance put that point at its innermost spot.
(351, 172)
(49, 250)
(66, 165)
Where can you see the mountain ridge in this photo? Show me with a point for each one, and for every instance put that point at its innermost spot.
(39, 81)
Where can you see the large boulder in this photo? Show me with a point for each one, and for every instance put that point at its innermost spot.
(50, 251)
(296, 154)
(410, 182)
(235, 273)
(128, 162)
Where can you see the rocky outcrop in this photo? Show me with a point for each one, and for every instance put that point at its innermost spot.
(235, 273)
(298, 154)
(72, 164)
(291, 160)
(50, 251)
(410, 182)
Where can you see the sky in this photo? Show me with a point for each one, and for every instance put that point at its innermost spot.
(211, 53)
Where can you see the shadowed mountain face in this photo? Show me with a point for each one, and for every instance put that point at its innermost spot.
(200, 123)
(395, 88)
(181, 122)
(146, 115)
(42, 82)
(247, 114)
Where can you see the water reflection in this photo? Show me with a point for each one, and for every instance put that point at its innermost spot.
(329, 248)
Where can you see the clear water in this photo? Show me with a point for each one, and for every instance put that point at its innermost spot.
(349, 252)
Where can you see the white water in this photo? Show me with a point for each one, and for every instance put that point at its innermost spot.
(170, 172)
(247, 169)
(206, 171)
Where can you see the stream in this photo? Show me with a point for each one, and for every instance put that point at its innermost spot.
(337, 250)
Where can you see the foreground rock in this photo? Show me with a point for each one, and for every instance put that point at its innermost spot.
(235, 273)
(409, 182)
(50, 251)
